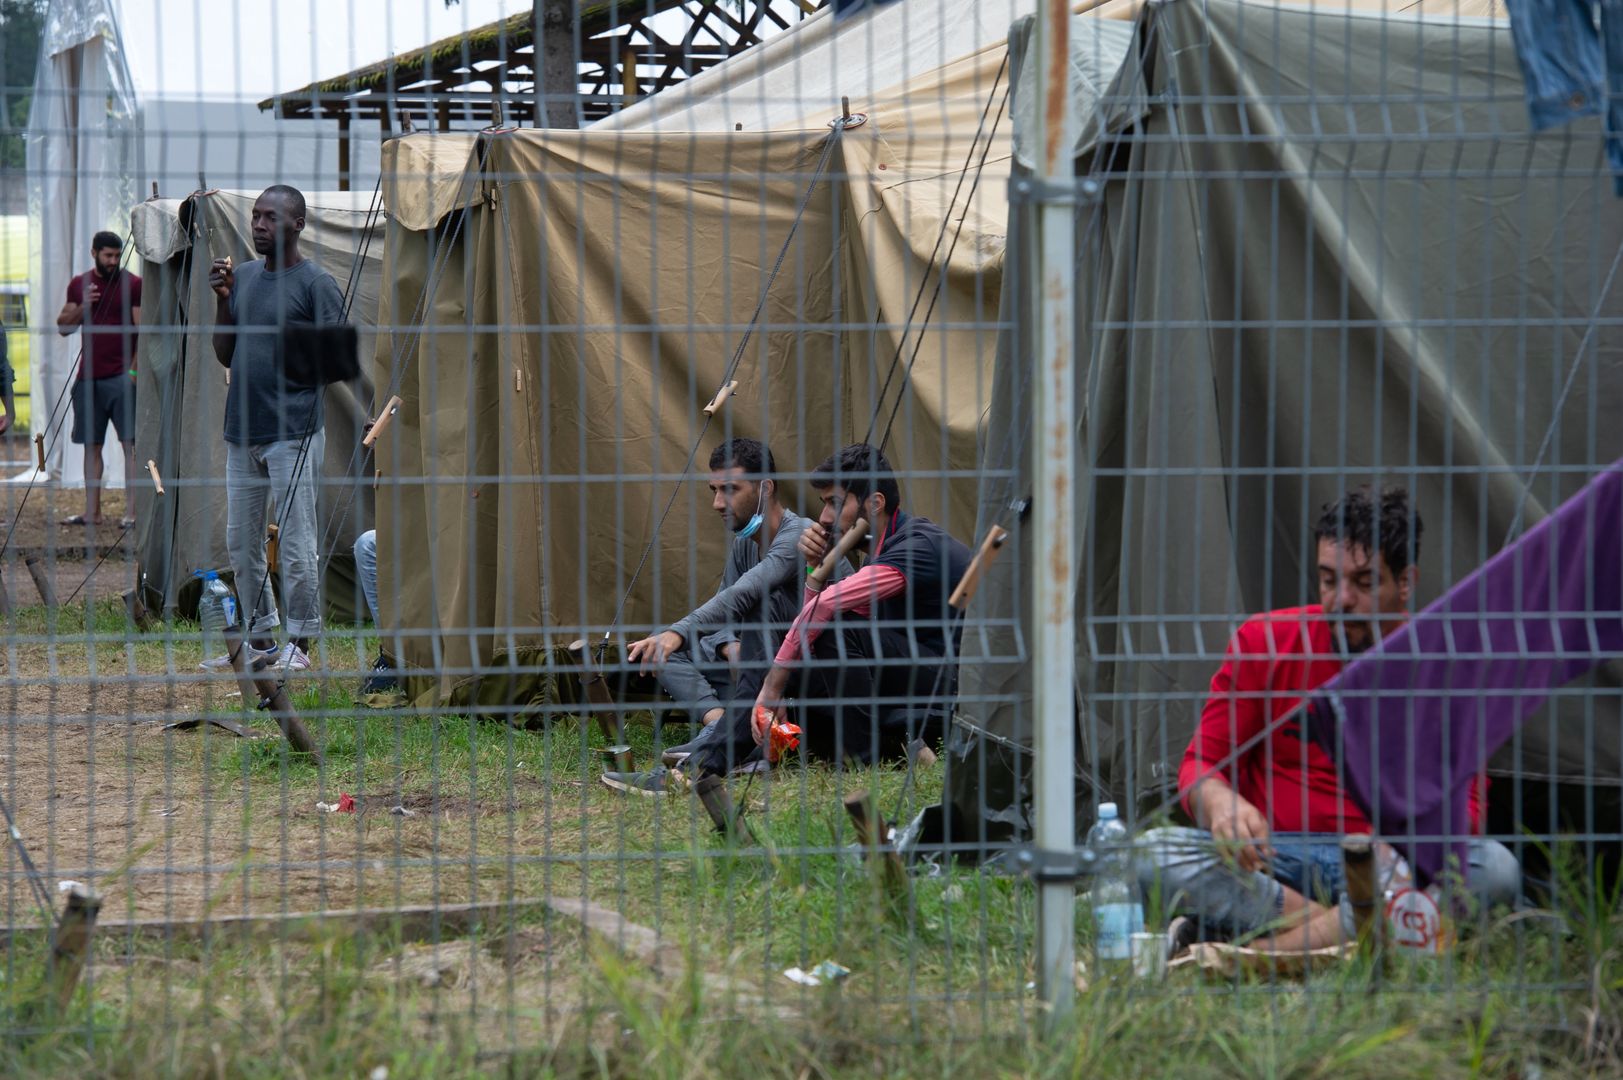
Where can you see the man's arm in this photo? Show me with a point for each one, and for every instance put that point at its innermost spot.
(1235, 712)
(72, 315)
(223, 280)
(747, 591)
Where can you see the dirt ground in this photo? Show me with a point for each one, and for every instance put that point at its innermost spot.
(31, 520)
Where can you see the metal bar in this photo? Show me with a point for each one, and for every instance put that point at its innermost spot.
(1054, 472)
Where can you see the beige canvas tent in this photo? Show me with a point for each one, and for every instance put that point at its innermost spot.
(562, 304)
(181, 392)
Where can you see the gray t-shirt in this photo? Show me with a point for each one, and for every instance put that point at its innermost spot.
(756, 588)
(262, 406)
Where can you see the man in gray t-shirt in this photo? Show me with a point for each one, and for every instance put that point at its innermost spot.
(275, 444)
(700, 656)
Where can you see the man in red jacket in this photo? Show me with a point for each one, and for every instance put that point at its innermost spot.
(1270, 807)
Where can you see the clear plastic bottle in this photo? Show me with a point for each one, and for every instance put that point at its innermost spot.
(1118, 910)
(216, 610)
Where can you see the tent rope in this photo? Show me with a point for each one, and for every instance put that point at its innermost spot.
(941, 274)
(838, 128)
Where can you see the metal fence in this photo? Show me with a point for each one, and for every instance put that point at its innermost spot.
(1116, 341)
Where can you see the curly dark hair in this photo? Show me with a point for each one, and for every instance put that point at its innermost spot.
(860, 469)
(1383, 522)
(755, 458)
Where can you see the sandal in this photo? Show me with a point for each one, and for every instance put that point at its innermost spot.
(126, 523)
(77, 519)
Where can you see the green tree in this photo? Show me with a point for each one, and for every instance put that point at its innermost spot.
(22, 22)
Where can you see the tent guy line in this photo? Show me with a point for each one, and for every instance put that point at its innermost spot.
(941, 267)
(838, 125)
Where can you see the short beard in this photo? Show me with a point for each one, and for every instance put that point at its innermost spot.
(1347, 647)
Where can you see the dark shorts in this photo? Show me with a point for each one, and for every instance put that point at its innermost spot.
(99, 402)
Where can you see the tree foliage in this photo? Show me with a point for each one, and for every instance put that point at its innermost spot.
(22, 22)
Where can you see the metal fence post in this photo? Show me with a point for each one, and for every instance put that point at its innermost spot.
(1054, 470)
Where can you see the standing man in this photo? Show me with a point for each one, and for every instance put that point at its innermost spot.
(104, 301)
(872, 660)
(1266, 856)
(699, 658)
(275, 445)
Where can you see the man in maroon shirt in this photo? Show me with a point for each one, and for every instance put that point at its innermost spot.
(105, 301)
(1270, 807)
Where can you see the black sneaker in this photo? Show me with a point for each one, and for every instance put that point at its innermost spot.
(1182, 933)
(652, 782)
(383, 679)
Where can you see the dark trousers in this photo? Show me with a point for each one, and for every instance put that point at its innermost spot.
(864, 695)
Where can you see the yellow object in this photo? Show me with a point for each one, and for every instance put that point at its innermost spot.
(16, 306)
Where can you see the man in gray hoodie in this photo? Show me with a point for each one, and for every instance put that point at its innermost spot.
(698, 658)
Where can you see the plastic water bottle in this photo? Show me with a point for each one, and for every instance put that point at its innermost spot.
(216, 610)
(1118, 911)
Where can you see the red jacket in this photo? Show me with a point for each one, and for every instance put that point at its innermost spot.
(1274, 660)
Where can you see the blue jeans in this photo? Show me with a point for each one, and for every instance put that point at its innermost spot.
(1184, 868)
(256, 477)
(366, 568)
(1571, 66)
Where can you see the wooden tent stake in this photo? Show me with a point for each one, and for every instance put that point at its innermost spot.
(382, 421)
(721, 398)
(870, 830)
(600, 703)
(272, 695)
(965, 592)
(157, 481)
(847, 543)
(42, 580)
(70, 943)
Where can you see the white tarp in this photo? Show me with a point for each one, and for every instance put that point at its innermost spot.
(796, 79)
(83, 138)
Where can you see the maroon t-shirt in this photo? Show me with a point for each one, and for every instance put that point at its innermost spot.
(110, 348)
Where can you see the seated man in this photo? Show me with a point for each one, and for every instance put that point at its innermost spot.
(871, 659)
(1278, 807)
(383, 678)
(697, 657)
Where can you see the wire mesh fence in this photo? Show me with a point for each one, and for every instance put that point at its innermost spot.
(574, 569)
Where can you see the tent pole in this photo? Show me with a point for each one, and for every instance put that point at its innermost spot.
(1054, 502)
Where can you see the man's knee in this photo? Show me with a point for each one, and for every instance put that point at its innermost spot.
(1496, 875)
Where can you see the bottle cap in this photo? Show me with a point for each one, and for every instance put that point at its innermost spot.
(1107, 811)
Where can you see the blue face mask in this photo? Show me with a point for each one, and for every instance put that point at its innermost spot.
(749, 530)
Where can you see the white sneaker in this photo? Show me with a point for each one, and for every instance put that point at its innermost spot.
(291, 658)
(223, 661)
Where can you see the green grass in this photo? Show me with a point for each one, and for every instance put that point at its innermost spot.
(939, 983)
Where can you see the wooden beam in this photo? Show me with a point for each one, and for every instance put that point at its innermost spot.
(343, 151)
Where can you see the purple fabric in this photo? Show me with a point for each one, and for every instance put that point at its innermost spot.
(1413, 720)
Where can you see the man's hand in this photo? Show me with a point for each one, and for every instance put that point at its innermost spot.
(1237, 825)
(92, 291)
(652, 651)
(814, 544)
(769, 708)
(222, 278)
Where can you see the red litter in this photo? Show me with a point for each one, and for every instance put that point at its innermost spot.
(346, 805)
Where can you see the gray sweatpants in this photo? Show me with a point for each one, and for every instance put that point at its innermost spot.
(697, 676)
(255, 477)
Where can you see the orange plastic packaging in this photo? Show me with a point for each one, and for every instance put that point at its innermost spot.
(780, 737)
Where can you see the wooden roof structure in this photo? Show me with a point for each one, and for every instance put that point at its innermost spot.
(486, 76)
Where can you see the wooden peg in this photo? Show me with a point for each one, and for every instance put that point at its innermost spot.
(879, 851)
(1361, 880)
(518, 380)
(154, 189)
(382, 421)
(845, 107)
(971, 580)
(70, 945)
(42, 580)
(157, 481)
(39, 449)
(721, 398)
(848, 541)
